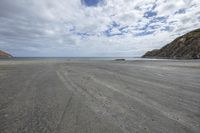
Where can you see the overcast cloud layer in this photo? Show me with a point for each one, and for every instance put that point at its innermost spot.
(93, 27)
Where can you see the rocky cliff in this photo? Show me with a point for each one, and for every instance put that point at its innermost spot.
(184, 47)
(4, 55)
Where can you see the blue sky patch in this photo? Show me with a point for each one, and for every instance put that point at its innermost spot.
(180, 11)
(109, 33)
(167, 28)
(84, 34)
(115, 25)
(91, 2)
(123, 29)
(144, 33)
(150, 14)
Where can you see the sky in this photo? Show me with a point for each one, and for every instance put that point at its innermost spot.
(97, 28)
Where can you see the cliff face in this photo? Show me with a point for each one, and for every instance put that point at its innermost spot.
(184, 47)
(5, 55)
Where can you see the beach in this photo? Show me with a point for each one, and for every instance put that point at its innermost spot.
(104, 96)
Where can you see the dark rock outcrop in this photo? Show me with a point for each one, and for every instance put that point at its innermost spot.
(120, 59)
(5, 55)
(184, 47)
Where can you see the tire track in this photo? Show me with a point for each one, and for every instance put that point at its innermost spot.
(58, 127)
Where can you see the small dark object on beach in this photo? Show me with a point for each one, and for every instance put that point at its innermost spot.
(120, 60)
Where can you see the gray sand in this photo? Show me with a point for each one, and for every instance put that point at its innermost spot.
(99, 96)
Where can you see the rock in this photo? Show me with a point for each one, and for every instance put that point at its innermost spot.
(5, 55)
(120, 60)
(184, 47)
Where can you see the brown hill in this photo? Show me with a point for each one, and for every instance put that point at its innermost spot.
(5, 55)
(184, 47)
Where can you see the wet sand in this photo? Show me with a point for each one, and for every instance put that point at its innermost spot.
(52, 96)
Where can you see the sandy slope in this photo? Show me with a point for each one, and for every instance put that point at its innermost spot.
(99, 96)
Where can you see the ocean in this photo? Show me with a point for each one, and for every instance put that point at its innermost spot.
(74, 58)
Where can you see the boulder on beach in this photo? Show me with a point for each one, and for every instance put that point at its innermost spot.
(120, 60)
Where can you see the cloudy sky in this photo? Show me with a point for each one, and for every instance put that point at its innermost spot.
(93, 27)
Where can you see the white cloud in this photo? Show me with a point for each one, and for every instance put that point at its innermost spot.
(68, 28)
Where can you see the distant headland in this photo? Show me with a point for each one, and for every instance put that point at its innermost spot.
(5, 55)
(184, 47)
